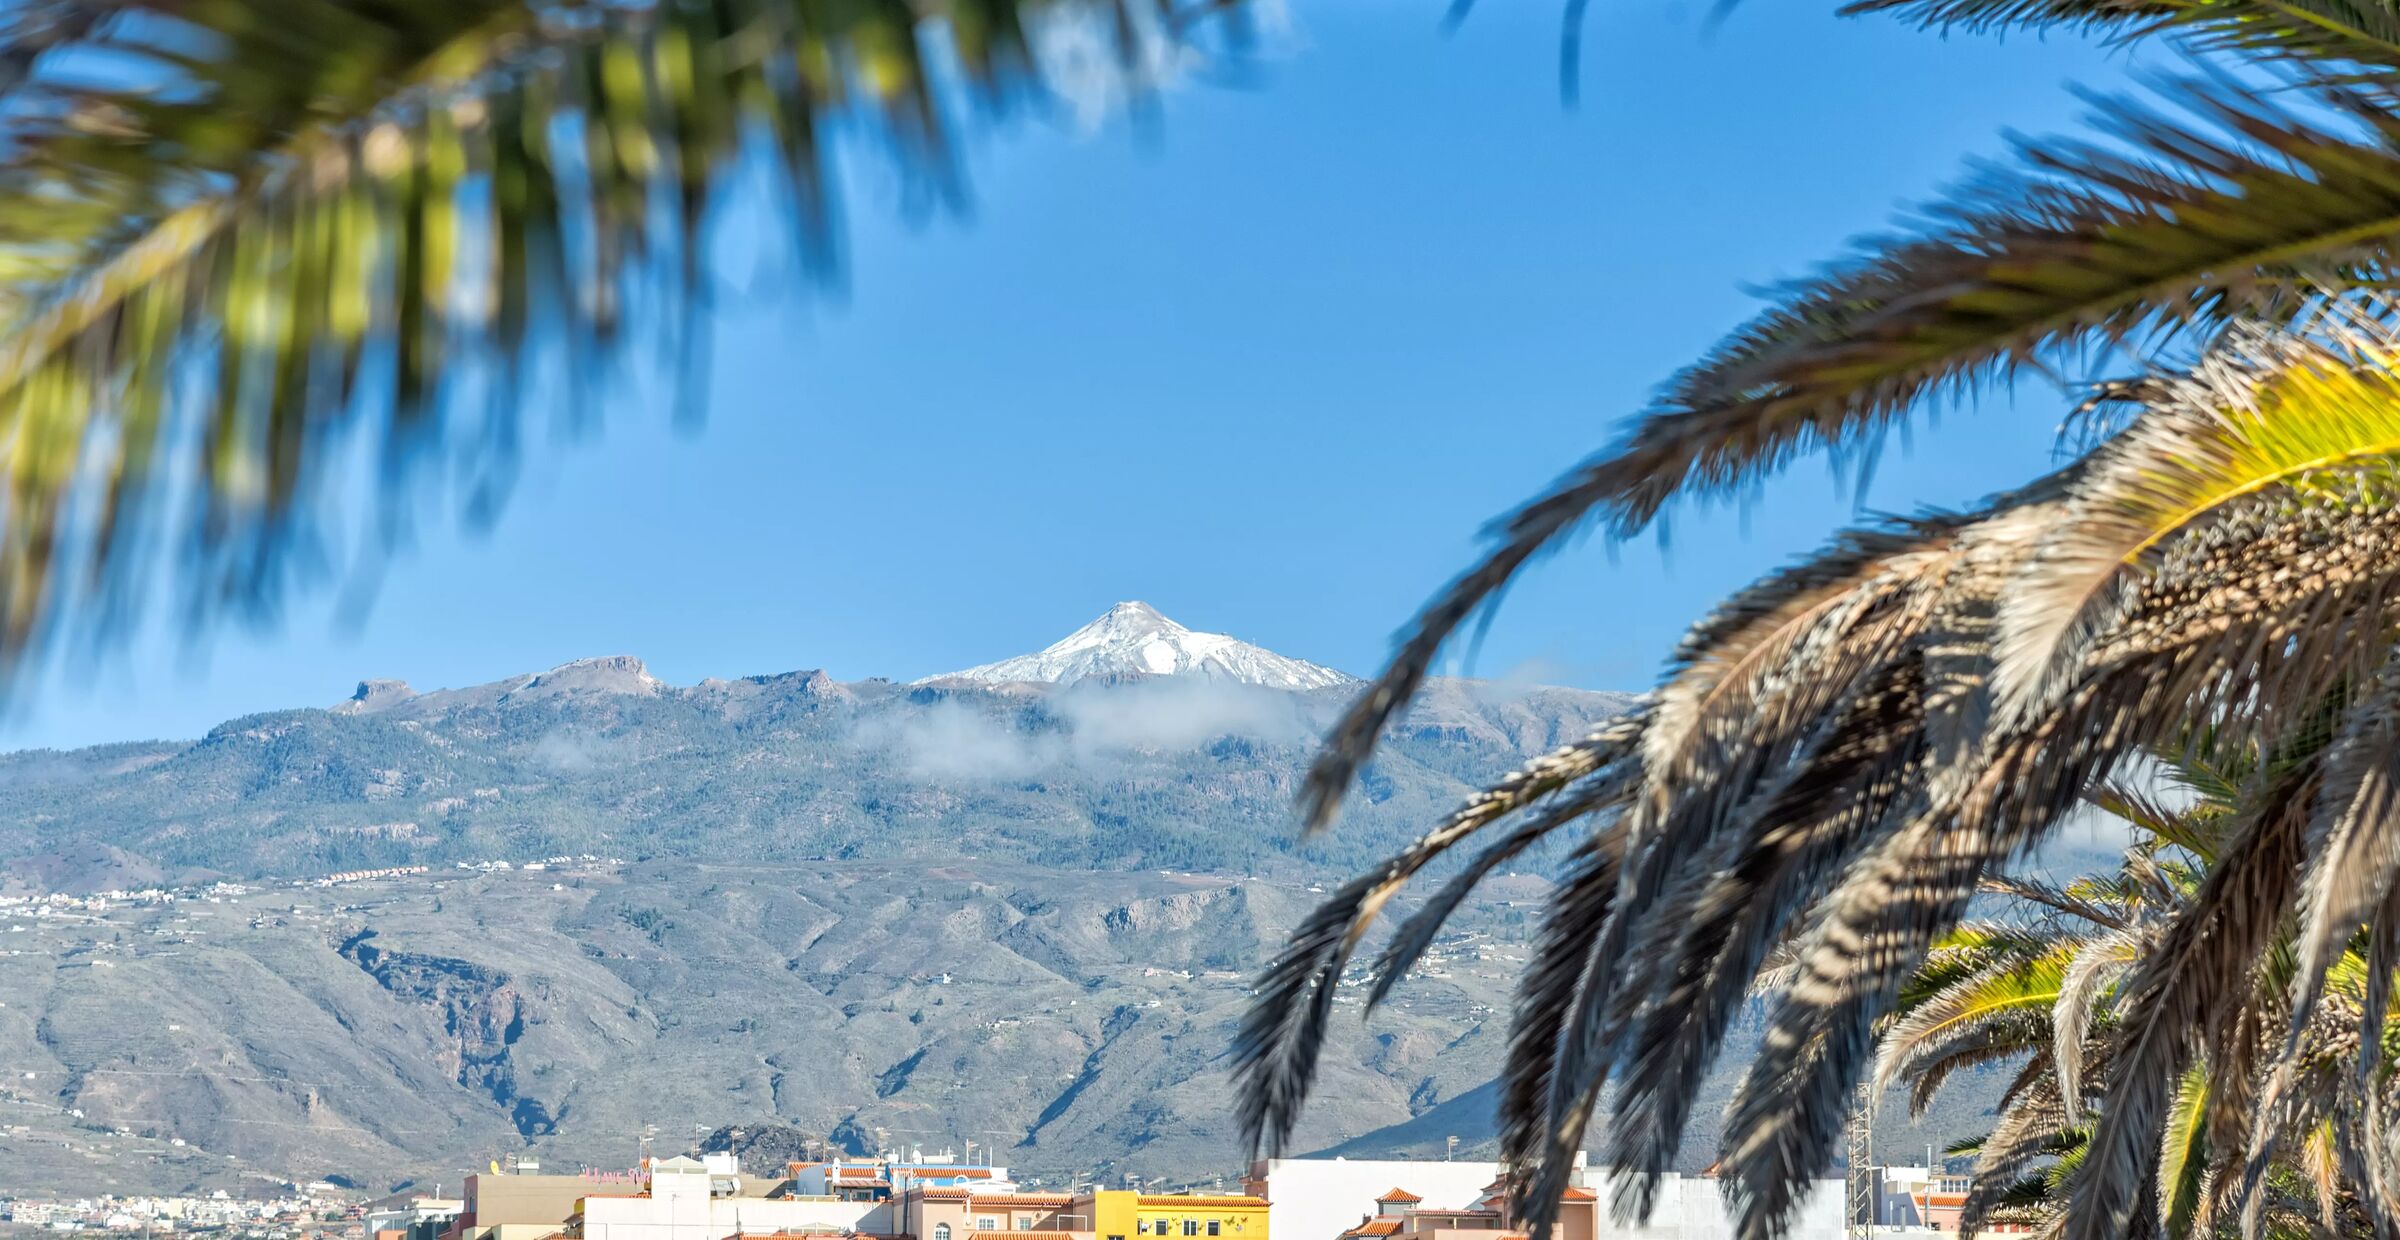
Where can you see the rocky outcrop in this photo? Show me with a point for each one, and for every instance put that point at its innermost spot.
(375, 695)
(481, 1010)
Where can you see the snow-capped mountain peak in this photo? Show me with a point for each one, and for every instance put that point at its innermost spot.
(1133, 639)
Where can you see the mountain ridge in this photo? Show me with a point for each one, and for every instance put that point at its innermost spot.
(1025, 906)
(599, 756)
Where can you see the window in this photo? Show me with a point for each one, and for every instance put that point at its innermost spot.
(985, 1224)
(1191, 1227)
(1212, 1226)
(1024, 1222)
(941, 1231)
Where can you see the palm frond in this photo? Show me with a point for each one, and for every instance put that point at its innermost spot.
(2337, 40)
(2261, 412)
(2183, 1165)
(281, 233)
(1926, 1032)
(1276, 1050)
(1408, 943)
(1708, 954)
(2097, 965)
(2190, 983)
(2055, 898)
(2247, 210)
(1562, 959)
(2355, 839)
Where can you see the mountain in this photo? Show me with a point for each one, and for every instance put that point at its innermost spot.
(412, 1027)
(1025, 907)
(598, 756)
(1133, 639)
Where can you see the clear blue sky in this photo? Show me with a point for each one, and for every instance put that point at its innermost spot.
(1266, 364)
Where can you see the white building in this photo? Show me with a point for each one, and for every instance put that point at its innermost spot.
(412, 1219)
(1320, 1198)
(689, 1200)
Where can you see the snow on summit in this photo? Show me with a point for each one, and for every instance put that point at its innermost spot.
(1133, 639)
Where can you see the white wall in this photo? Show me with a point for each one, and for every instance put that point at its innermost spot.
(1692, 1208)
(1318, 1199)
(704, 1218)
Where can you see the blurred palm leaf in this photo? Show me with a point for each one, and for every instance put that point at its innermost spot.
(240, 237)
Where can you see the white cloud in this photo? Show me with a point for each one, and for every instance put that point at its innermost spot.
(953, 740)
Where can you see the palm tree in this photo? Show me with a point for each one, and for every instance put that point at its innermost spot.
(2035, 984)
(250, 245)
(1843, 752)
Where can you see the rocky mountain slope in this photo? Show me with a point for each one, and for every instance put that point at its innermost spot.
(412, 1027)
(1017, 906)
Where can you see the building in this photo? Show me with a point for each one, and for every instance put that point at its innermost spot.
(687, 1199)
(419, 1218)
(1923, 1200)
(517, 1206)
(1402, 1215)
(931, 1212)
(1327, 1199)
(1321, 1198)
(886, 1177)
(942, 1212)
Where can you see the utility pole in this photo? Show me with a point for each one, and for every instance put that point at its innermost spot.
(1863, 1188)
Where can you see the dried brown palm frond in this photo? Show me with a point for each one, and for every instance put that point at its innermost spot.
(1846, 756)
(276, 234)
(1277, 1046)
(2180, 998)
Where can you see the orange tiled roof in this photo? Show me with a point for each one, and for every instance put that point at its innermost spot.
(1191, 1199)
(1579, 1194)
(1375, 1227)
(1396, 1195)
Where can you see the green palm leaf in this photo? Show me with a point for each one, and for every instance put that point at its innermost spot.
(1922, 1034)
(2183, 1165)
(2265, 413)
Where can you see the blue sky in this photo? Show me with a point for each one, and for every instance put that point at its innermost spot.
(1266, 363)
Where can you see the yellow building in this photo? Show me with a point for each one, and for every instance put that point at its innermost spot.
(1126, 1215)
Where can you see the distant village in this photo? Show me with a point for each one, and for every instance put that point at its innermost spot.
(914, 1195)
